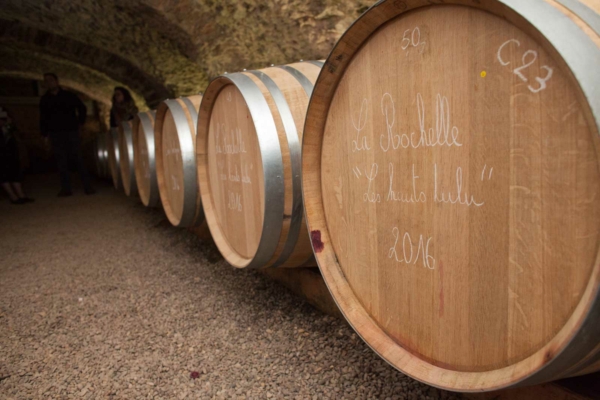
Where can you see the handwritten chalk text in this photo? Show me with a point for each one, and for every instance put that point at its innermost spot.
(403, 251)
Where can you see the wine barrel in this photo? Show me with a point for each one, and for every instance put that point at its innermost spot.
(175, 138)
(104, 155)
(145, 165)
(126, 159)
(101, 156)
(248, 150)
(451, 184)
(97, 158)
(113, 157)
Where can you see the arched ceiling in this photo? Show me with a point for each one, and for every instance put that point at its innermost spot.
(17, 35)
(29, 64)
(165, 48)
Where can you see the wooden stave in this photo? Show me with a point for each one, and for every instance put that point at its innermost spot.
(296, 234)
(145, 121)
(298, 237)
(268, 254)
(126, 158)
(272, 170)
(113, 158)
(573, 351)
(185, 114)
(259, 109)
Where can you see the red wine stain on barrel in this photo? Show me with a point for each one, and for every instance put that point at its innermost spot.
(441, 311)
(315, 237)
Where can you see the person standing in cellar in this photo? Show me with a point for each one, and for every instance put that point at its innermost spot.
(10, 167)
(123, 107)
(62, 114)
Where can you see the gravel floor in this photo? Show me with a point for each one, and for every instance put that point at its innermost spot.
(102, 298)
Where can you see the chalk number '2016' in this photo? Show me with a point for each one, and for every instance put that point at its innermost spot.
(403, 250)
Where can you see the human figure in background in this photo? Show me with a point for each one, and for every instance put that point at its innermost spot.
(123, 107)
(11, 176)
(62, 114)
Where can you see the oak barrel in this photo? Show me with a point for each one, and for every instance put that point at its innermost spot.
(113, 157)
(105, 162)
(175, 138)
(101, 155)
(249, 155)
(126, 159)
(144, 157)
(451, 183)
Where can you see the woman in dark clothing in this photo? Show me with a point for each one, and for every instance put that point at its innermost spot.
(123, 107)
(10, 167)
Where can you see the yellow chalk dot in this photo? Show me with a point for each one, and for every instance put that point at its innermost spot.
(483, 74)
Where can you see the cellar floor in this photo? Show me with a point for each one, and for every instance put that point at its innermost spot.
(102, 298)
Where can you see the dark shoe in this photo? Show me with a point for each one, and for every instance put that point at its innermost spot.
(90, 191)
(27, 199)
(65, 193)
(18, 202)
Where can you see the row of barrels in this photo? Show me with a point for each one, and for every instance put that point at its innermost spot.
(442, 166)
(249, 177)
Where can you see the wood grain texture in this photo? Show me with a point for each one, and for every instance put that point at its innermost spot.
(298, 102)
(170, 155)
(239, 206)
(143, 173)
(231, 172)
(450, 176)
(126, 164)
(113, 157)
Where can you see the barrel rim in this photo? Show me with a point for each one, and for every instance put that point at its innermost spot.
(586, 14)
(102, 148)
(318, 63)
(97, 157)
(145, 120)
(113, 149)
(295, 151)
(126, 161)
(105, 160)
(272, 165)
(300, 77)
(575, 338)
(182, 124)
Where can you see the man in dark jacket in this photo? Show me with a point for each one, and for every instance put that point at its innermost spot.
(61, 115)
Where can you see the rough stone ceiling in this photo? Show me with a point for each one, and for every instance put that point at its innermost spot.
(29, 64)
(164, 48)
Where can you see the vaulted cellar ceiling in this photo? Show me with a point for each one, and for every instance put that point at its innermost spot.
(165, 48)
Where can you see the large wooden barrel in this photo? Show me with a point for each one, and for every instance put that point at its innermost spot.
(175, 138)
(249, 155)
(144, 156)
(451, 183)
(126, 159)
(113, 157)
